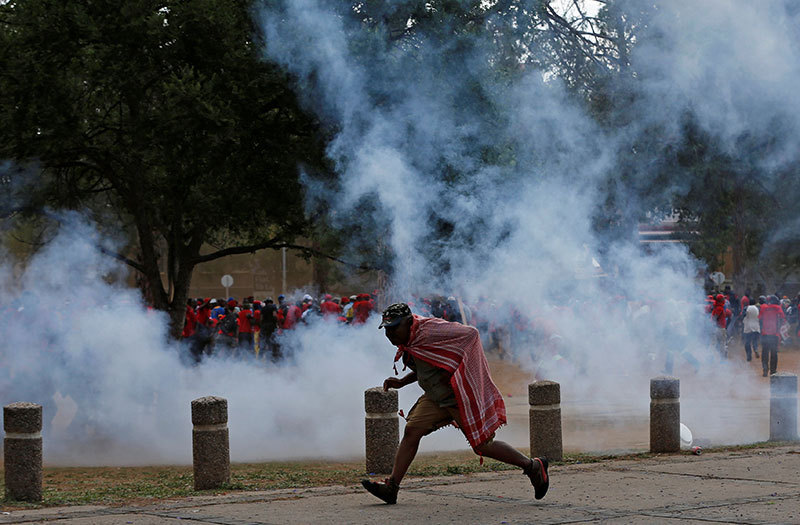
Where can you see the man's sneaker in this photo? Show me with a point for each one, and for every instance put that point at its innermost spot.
(538, 476)
(386, 491)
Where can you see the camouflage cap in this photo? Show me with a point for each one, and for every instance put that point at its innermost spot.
(394, 314)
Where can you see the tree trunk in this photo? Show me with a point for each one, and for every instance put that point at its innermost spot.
(184, 262)
(177, 307)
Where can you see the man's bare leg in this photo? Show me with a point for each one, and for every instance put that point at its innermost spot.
(502, 451)
(535, 469)
(406, 452)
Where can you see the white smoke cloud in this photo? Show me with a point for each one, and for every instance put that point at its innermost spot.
(408, 119)
(115, 391)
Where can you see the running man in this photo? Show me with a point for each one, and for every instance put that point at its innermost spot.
(448, 362)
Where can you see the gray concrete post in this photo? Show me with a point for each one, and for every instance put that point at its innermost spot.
(544, 398)
(382, 428)
(783, 407)
(211, 455)
(665, 414)
(22, 451)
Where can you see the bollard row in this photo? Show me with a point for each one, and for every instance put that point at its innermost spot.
(22, 423)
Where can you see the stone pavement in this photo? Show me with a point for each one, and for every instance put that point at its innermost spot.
(747, 486)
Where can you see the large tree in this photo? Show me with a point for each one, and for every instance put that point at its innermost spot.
(162, 114)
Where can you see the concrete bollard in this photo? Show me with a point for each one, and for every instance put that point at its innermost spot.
(211, 456)
(382, 429)
(783, 407)
(665, 414)
(544, 398)
(22, 451)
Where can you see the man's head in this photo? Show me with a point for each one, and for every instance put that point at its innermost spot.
(397, 320)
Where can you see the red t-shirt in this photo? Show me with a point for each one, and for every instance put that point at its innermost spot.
(769, 316)
(245, 326)
(330, 309)
(293, 314)
(202, 316)
(189, 323)
(721, 316)
(361, 311)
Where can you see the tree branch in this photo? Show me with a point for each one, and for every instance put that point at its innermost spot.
(275, 244)
(118, 256)
(236, 250)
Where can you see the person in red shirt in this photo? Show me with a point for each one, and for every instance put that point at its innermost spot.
(292, 316)
(329, 309)
(189, 320)
(245, 321)
(772, 318)
(721, 316)
(203, 331)
(362, 308)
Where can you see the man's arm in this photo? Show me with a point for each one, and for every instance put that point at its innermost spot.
(395, 382)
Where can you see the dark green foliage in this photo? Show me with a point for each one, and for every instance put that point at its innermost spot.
(162, 111)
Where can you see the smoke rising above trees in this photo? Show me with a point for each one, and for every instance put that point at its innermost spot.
(160, 116)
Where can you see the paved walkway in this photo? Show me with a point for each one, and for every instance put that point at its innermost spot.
(750, 486)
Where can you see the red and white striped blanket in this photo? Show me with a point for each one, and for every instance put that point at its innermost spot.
(457, 349)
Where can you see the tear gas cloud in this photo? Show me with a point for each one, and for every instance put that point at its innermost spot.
(414, 127)
(521, 229)
(114, 392)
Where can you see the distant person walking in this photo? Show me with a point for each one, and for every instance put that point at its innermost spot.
(772, 318)
(721, 316)
(752, 331)
(448, 362)
(245, 332)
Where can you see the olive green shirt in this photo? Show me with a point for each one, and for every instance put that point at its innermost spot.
(434, 381)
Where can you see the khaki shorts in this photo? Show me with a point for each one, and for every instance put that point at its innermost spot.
(429, 416)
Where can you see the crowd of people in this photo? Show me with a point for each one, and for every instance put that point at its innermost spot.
(252, 327)
(510, 331)
(768, 321)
